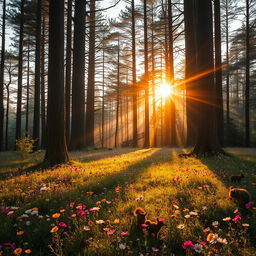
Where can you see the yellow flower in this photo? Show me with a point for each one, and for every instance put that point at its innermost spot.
(54, 229)
(73, 215)
(116, 221)
(20, 233)
(106, 229)
(62, 210)
(28, 251)
(186, 210)
(34, 209)
(56, 215)
(99, 202)
(209, 237)
(17, 251)
(79, 207)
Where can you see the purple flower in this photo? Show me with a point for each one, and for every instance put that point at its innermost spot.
(249, 205)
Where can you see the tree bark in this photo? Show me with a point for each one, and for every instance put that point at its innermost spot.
(68, 68)
(146, 142)
(207, 139)
(56, 150)
(117, 93)
(2, 79)
(218, 72)
(134, 78)
(91, 81)
(28, 87)
(78, 80)
(20, 73)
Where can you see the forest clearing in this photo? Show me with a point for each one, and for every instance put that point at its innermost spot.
(86, 208)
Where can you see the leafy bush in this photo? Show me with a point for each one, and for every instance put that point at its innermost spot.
(25, 145)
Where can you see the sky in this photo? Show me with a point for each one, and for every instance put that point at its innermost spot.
(113, 12)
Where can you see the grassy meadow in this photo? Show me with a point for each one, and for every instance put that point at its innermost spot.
(86, 208)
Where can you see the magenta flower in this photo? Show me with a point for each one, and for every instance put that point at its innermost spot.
(63, 224)
(125, 233)
(237, 218)
(155, 249)
(188, 245)
(111, 232)
(206, 230)
(161, 220)
(249, 205)
(80, 213)
(144, 225)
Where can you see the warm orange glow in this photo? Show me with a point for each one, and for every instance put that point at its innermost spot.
(164, 90)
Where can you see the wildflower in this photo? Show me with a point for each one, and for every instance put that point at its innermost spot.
(125, 233)
(155, 249)
(188, 245)
(99, 222)
(249, 205)
(20, 233)
(87, 228)
(222, 240)
(62, 210)
(90, 223)
(245, 225)
(187, 216)
(193, 213)
(94, 209)
(122, 246)
(17, 251)
(236, 211)
(186, 210)
(28, 251)
(111, 232)
(204, 208)
(176, 206)
(140, 198)
(63, 224)
(54, 229)
(209, 237)
(116, 221)
(206, 230)
(198, 248)
(181, 226)
(227, 219)
(237, 218)
(28, 223)
(144, 225)
(215, 224)
(212, 238)
(56, 215)
(81, 213)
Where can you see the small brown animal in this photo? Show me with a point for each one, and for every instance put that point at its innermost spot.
(236, 178)
(154, 227)
(242, 196)
(140, 213)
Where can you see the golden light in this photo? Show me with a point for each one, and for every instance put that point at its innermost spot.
(164, 90)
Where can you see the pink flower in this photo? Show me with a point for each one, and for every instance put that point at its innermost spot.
(236, 211)
(144, 225)
(203, 243)
(237, 218)
(155, 249)
(249, 205)
(126, 233)
(63, 224)
(161, 220)
(206, 230)
(111, 232)
(188, 245)
(80, 213)
(5, 210)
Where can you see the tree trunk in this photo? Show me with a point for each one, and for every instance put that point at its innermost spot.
(68, 68)
(91, 80)
(134, 78)
(247, 79)
(218, 72)
(43, 122)
(56, 150)
(173, 141)
(146, 142)
(28, 87)
(117, 94)
(78, 80)
(103, 98)
(190, 70)
(207, 140)
(36, 121)
(2, 79)
(20, 70)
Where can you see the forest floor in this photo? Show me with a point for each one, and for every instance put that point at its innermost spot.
(86, 208)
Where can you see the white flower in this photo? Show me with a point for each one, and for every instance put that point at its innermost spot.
(198, 248)
(222, 240)
(47, 199)
(87, 228)
(40, 216)
(204, 208)
(28, 211)
(176, 206)
(122, 246)
(14, 208)
(181, 226)
(34, 213)
(10, 213)
(187, 216)
(24, 216)
(28, 223)
(140, 198)
(214, 239)
(108, 202)
(215, 224)
(193, 213)
(100, 222)
(245, 225)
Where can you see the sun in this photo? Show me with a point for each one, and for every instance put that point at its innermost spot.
(164, 90)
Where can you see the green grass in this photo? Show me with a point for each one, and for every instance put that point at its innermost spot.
(115, 181)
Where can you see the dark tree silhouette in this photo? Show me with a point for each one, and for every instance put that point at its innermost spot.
(56, 149)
